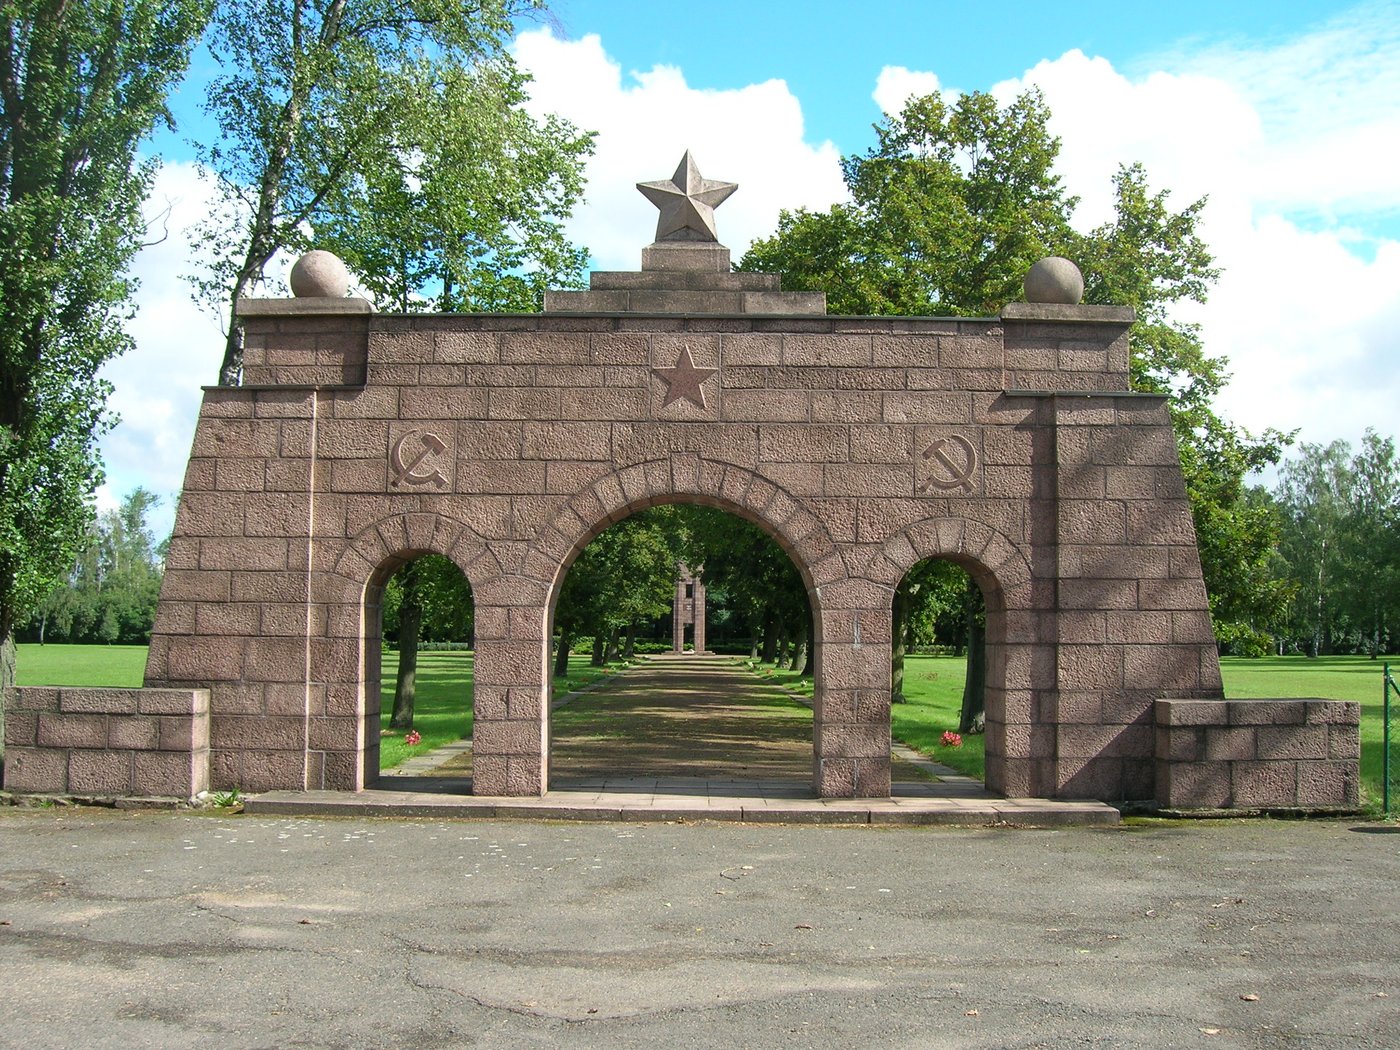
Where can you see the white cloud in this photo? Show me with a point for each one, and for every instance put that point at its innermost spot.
(897, 85)
(178, 348)
(646, 120)
(1281, 140)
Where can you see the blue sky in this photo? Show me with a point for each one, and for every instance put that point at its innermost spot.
(1287, 115)
(831, 51)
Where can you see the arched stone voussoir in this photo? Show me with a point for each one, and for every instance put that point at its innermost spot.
(615, 495)
(399, 538)
(983, 550)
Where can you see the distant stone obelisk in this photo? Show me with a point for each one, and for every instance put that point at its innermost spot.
(689, 608)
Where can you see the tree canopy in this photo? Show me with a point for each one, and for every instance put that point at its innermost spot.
(111, 592)
(81, 85)
(1337, 569)
(394, 134)
(950, 208)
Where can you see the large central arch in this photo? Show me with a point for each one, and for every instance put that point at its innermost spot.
(694, 480)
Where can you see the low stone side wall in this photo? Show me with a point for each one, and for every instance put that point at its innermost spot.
(1250, 754)
(110, 742)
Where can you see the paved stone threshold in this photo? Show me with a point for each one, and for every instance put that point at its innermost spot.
(955, 799)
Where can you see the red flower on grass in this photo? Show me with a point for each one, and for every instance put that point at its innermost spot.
(951, 739)
(413, 738)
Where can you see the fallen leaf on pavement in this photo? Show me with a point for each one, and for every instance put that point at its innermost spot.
(1250, 998)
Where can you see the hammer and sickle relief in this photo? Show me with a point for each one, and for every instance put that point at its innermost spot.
(956, 462)
(406, 464)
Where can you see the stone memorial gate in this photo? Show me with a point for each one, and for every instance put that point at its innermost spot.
(1010, 445)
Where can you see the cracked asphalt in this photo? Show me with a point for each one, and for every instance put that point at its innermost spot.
(178, 929)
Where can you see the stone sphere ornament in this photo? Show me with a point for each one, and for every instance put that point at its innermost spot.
(1054, 280)
(320, 274)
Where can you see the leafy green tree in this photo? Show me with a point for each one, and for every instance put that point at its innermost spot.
(112, 591)
(429, 599)
(948, 211)
(462, 210)
(80, 86)
(1340, 546)
(1371, 542)
(928, 603)
(757, 579)
(396, 129)
(624, 577)
(1314, 491)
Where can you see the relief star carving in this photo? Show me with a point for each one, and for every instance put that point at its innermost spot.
(683, 381)
(687, 203)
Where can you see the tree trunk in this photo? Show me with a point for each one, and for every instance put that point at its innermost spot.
(898, 630)
(974, 701)
(561, 657)
(598, 643)
(410, 622)
(770, 637)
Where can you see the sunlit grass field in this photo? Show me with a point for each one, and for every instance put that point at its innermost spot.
(933, 685)
(121, 666)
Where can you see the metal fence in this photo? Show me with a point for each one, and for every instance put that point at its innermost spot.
(1387, 688)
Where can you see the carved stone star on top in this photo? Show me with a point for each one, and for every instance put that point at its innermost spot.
(687, 203)
(684, 380)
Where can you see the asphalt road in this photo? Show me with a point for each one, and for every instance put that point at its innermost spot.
(179, 929)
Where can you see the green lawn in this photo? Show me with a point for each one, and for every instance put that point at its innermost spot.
(442, 710)
(933, 688)
(80, 665)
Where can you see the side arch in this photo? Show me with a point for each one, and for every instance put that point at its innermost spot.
(1020, 732)
(344, 661)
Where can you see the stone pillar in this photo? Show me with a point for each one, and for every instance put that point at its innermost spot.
(697, 612)
(510, 732)
(678, 616)
(688, 608)
(1133, 624)
(851, 709)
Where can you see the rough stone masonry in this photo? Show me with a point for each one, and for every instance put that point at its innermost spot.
(1010, 445)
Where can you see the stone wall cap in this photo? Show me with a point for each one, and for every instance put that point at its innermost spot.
(1145, 395)
(307, 306)
(1063, 312)
(282, 388)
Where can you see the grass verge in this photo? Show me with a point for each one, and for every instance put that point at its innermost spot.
(95, 666)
